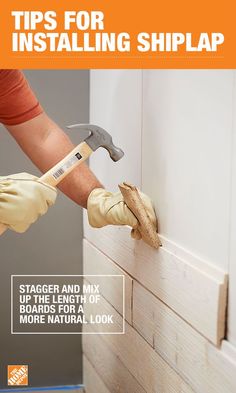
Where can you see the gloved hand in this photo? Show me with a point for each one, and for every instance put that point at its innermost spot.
(105, 208)
(23, 199)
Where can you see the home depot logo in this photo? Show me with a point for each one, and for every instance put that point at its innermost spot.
(17, 375)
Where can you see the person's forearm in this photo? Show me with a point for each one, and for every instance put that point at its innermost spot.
(46, 144)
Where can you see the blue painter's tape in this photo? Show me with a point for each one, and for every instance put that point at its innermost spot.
(38, 389)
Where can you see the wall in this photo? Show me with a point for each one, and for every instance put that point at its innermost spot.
(232, 243)
(47, 247)
(176, 130)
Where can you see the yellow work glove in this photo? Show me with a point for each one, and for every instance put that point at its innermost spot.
(107, 208)
(23, 199)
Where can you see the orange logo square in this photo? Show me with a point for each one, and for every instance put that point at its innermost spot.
(17, 375)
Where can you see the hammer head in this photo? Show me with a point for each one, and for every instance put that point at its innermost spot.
(98, 137)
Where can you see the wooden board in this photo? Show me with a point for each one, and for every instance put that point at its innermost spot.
(142, 361)
(188, 285)
(116, 105)
(231, 325)
(186, 154)
(116, 327)
(92, 381)
(198, 361)
(95, 262)
(109, 366)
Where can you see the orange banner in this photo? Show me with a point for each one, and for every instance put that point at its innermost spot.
(125, 34)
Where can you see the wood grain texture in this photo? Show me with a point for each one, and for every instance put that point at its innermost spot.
(92, 381)
(108, 365)
(193, 357)
(147, 367)
(95, 262)
(116, 327)
(194, 290)
(59, 171)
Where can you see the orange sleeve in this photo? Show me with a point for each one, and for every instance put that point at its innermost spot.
(17, 101)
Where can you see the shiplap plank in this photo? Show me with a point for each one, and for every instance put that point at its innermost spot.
(91, 311)
(108, 365)
(142, 361)
(186, 156)
(191, 291)
(97, 263)
(197, 360)
(231, 333)
(92, 381)
(116, 105)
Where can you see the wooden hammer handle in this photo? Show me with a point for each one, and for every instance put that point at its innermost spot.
(57, 173)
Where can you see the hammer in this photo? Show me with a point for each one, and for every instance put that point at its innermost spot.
(98, 137)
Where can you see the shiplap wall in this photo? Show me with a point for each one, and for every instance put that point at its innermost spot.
(232, 242)
(186, 138)
(176, 130)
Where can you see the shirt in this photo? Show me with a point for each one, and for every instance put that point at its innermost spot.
(18, 103)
